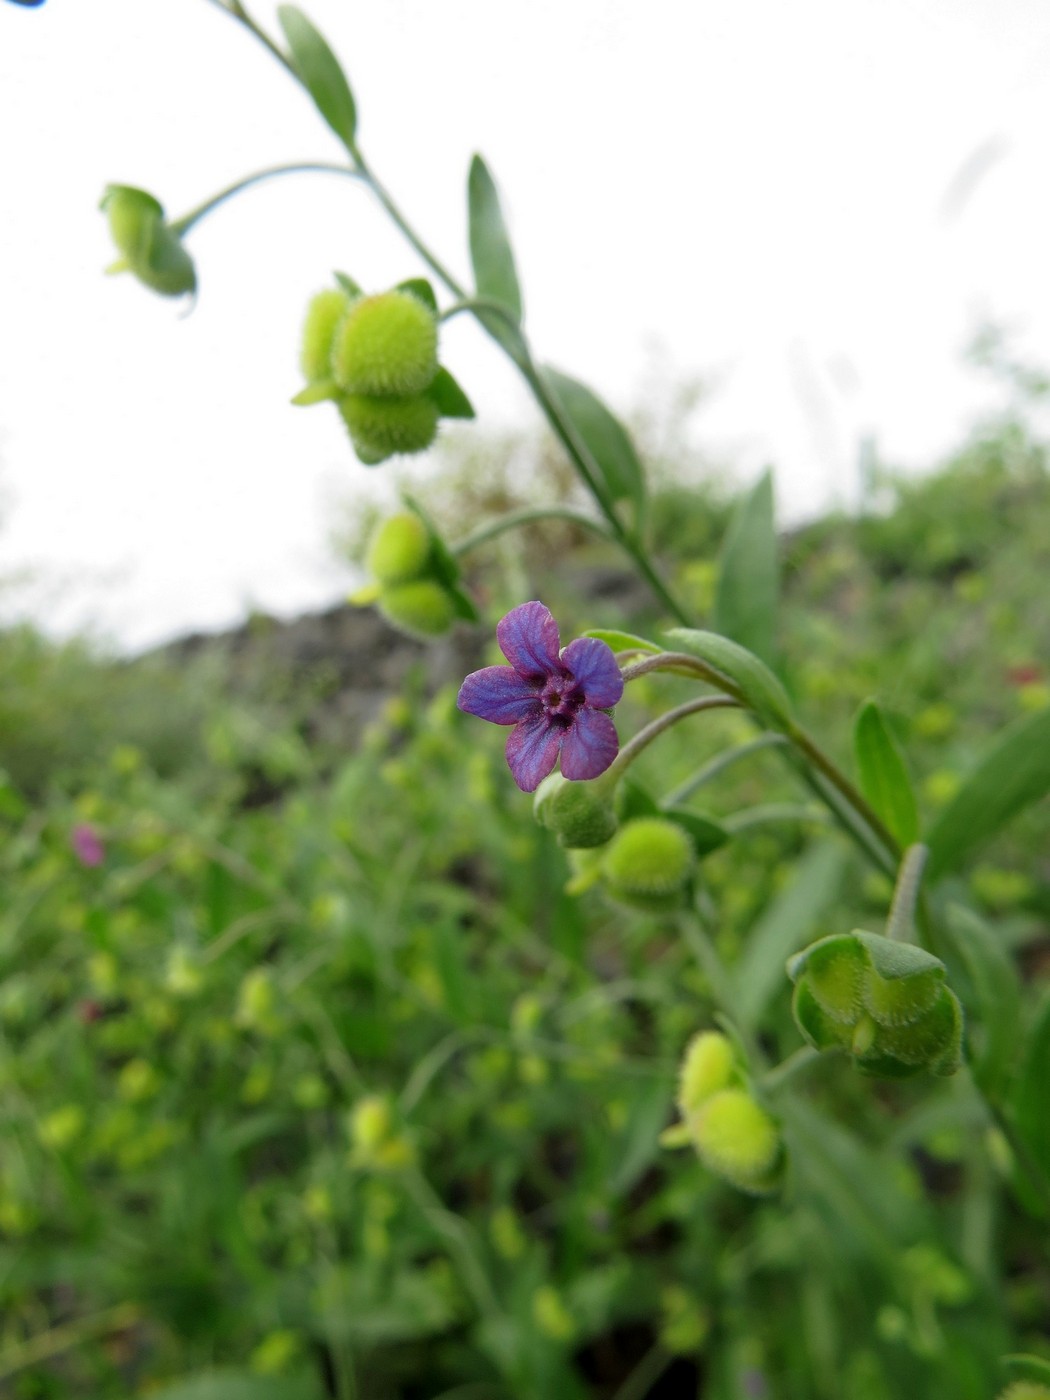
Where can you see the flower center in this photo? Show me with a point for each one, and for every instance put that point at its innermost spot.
(561, 698)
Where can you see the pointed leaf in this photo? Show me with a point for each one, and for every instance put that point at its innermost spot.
(604, 436)
(760, 689)
(748, 580)
(490, 252)
(421, 289)
(985, 978)
(451, 401)
(1012, 776)
(884, 779)
(349, 286)
(322, 76)
(320, 392)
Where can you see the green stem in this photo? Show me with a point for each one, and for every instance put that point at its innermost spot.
(838, 780)
(186, 222)
(526, 516)
(681, 663)
(645, 737)
(772, 812)
(239, 13)
(901, 922)
(718, 766)
(66, 1336)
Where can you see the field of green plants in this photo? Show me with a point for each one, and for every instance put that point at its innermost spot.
(324, 1074)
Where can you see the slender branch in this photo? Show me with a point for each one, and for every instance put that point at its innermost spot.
(772, 812)
(774, 1079)
(718, 765)
(186, 222)
(901, 922)
(239, 13)
(683, 664)
(526, 516)
(645, 737)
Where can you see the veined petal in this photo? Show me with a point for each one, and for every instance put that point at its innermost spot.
(593, 664)
(528, 638)
(532, 751)
(589, 746)
(498, 694)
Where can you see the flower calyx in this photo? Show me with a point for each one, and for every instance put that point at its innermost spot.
(884, 1002)
(150, 247)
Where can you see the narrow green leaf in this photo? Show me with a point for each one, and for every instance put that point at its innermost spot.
(787, 925)
(490, 252)
(756, 682)
(604, 436)
(349, 286)
(1013, 775)
(1033, 1121)
(321, 73)
(639, 1142)
(622, 641)
(320, 392)
(451, 401)
(983, 974)
(884, 779)
(748, 578)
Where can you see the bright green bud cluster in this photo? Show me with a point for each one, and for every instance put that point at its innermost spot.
(884, 1002)
(380, 427)
(386, 346)
(581, 815)
(150, 247)
(415, 584)
(648, 863)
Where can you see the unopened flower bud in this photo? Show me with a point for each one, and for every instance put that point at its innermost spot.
(386, 346)
(380, 427)
(399, 550)
(648, 863)
(883, 1001)
(581, 815)
(737, 1139)
(151, 249)
(422, 608)
(323, 315)
(708, 1066)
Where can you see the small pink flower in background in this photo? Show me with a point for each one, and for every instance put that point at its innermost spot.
(87, 845)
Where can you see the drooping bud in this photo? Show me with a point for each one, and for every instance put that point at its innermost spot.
(380, 427)
(737, 1139)
(323, 315)
(581, 815)
(422, 608)
(399, 550)
(883, 1001)
(151, 249)
(386, 346)
(648, 863)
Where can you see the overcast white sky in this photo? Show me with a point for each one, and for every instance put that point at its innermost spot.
(769, 191)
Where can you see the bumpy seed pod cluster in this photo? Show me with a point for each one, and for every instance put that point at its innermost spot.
(150, 248)
(649, 863)
(415, 578)
(581, 815)
(731, 1132)
(885, 1003)
(376, 357)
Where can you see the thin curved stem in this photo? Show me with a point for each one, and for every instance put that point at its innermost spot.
(682, 663)
(525, 516)
(239, 13)
(186, 222)
(901, 922)
(645, 737)
(772, 812)
(718, 766)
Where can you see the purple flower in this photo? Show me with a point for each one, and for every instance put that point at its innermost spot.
(554, 699)
(87, 845)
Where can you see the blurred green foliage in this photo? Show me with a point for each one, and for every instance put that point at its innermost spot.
(326, 1087)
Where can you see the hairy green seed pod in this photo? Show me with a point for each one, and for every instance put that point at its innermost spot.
(323, 316)
(380, 427)
(421, 608)
(399, 550)
(386, 346)
(709, 1065)
(580, 814)
(648, 863)
(737, 1139)
(152, 251)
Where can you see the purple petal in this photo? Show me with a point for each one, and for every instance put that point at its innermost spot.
(593, 664)
(532, 751)
(589, 746)
(528, 638)
(498, 694)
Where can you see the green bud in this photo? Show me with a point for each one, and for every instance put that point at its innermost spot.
(380, 427)
(422, 608)
(648, 863)
(152, 251)
(399, 549)
(386, 346)
(323, 315)
(708, 1066)
(883, 1001)
(580, 814)
(738, 1140)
